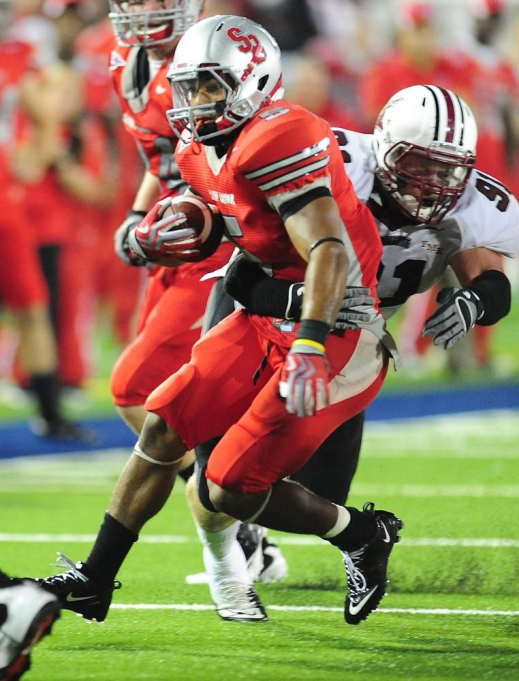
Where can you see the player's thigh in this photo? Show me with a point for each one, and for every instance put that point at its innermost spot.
(164, 344)
(213, 390)
(268, 444)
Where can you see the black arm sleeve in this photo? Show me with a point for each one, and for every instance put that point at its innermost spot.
(247, 283)
(495, 292)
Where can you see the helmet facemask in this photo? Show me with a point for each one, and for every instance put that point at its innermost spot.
(426, 183)
(237, 57)
(155, 27)
(206, 121)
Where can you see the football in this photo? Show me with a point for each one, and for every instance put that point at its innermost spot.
(199, 217)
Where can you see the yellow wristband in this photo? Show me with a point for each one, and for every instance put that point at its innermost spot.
(311, 343)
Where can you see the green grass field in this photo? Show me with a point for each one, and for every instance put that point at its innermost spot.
(453, 605)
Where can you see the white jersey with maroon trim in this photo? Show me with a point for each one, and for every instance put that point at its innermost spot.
(416, 256)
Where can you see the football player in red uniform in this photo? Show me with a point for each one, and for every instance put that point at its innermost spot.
(274, 391)
(171, 317)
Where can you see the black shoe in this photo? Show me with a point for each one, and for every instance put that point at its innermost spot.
(366, 568)
(64, 431)
(27, 614)
(78, 592)
(250, 538)
(275, 567)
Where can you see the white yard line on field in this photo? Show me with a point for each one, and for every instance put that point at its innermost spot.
(489, 543)
(319, 608)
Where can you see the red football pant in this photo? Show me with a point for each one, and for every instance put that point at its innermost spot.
(230, 388)
(170, 325)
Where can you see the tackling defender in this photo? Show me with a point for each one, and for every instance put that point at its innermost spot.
(434, 209)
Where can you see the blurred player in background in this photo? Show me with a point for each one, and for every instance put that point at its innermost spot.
(23, 287)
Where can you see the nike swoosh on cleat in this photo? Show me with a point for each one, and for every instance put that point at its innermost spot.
(386, 536)
(72, 599)
(355, 609)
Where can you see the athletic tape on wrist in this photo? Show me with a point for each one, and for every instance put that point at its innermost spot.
(138, 451)
(311, 343)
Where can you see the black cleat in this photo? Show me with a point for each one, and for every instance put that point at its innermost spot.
(250, 537)
(27, 614)
(265, 560)
(366, 568)
(275, 567)
(78, 592)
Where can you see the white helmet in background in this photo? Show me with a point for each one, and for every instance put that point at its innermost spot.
(150, 28)
(425, 144)
(238, 53)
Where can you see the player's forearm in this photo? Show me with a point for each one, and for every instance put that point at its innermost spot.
(317, 232)
(325, 281)
(148, 192)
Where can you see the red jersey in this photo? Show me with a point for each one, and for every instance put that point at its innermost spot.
(16, 59)
(144, 100)
(281, 154)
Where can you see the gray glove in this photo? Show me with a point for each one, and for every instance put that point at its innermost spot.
(460, 309)
(354, 296)
(121, 244)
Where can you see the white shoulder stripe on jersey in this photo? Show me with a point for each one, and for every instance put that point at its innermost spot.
(290, 160)
(300, 172)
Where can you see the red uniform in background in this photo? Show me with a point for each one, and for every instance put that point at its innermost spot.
(112, 281)
(21, 280)
(171, 316)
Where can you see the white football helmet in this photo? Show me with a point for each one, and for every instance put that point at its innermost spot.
(425, 143)
(241, 56)
(133, 24)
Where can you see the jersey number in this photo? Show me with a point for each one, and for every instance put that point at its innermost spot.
(494, 191)
(410, 274)
(342, 141)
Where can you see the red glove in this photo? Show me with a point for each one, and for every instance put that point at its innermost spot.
(304, 378)
(159, 235)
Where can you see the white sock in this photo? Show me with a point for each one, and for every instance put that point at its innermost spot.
(343, 520)
(224, 559)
